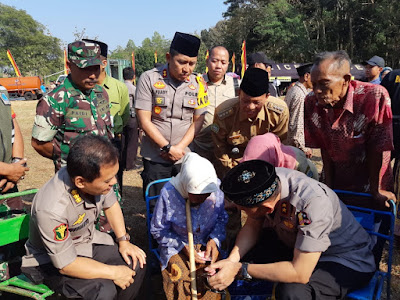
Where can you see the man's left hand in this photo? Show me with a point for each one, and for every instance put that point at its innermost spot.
(129, 251)
(211, 251)
(227, 270)
(382, 198)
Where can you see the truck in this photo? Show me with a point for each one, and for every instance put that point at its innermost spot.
(27, 87)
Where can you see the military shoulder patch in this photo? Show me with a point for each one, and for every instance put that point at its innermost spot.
(275, 107)
(214, 128)
(225, 113)
(61, 232)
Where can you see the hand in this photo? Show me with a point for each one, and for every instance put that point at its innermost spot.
(197, 258)
(17, 170)
(175, 153)
(227, 270)
(308, 153)
(128, 250)
(6, 185)
(212, 251)
(123, 276)
(381, 197)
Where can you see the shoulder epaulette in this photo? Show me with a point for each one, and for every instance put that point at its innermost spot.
(275, 107)
(225, 113)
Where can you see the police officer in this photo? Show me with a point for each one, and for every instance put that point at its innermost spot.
(64, 250)
(77, 107)
(170, 105)
(290, 212)
(253, 113)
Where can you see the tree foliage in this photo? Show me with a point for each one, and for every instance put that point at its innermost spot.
(35, 51)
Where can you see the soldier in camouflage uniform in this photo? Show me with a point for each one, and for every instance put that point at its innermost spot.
(75, 108)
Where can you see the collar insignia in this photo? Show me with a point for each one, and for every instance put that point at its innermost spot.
(76, 196)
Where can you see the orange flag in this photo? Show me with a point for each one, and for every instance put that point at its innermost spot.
(233, 63)
(207, 56)
(155, 56)
(243, 58)
(66, 69)
(14, 64)
(133, 66)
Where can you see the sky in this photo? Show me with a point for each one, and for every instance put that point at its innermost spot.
(115, 22)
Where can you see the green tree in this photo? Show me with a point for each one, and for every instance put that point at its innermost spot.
(35, 51)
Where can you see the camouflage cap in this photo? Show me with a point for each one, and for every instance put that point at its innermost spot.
(84, 54)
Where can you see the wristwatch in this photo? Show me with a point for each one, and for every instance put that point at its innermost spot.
(166, 148)
(125, 237)
(243, 274)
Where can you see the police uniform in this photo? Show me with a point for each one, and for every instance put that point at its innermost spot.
(309, 217)
(67, 113)
(172, 104)
(62, 228)
(232, 129)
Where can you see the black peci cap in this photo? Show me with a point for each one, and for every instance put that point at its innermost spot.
(255, 82)
(303, 69)
(250, 182)
(186, 44)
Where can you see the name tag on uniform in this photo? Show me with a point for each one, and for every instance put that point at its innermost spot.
(78, 113)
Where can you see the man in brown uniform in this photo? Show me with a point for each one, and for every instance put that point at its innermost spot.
(253, 113)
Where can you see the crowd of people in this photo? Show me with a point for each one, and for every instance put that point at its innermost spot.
(229, 146)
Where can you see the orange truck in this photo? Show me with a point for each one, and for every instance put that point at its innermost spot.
(27, 87)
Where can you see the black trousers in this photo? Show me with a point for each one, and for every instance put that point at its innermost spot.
(153, 171)
(130, 144)
(91, 289)
(329, 280)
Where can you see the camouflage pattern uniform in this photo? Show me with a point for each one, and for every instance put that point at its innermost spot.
(67, 113)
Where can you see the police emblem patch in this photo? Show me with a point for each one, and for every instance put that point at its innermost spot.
(192, 102)
(160, 100)
(246, 176)
(159, 85)
(192, 87)
(303, 218)
(157, 110)
(80, 219)
(61, 232)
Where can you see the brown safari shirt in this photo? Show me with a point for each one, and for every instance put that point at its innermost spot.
(232, 130)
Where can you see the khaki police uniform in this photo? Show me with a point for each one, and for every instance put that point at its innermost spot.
(173, 105)
(310, 217)
(232, 130)
(62, 227)
(217, 94)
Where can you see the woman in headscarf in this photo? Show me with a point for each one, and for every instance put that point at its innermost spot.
(268, 147)
(197, 182)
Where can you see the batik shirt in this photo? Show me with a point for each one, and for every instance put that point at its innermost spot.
(168, 225)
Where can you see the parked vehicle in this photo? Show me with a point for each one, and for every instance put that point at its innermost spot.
(27, 87)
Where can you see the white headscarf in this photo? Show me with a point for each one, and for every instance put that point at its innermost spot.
(197, 176)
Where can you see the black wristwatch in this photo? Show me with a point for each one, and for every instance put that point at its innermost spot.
(243, 274)
(166, 148)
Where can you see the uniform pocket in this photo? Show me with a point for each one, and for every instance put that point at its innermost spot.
(189, 104)
(160, 107)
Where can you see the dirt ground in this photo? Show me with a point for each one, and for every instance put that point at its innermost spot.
(41, 170)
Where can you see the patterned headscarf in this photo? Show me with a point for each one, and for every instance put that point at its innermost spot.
(197, 176)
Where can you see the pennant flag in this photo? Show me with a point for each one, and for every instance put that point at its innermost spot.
(233, 63)
(134, 67)
(14, 64)
(243, 59)
(207, 56)
(66, 69)
(155, 56)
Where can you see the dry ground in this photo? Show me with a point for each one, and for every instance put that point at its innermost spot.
(41, 170)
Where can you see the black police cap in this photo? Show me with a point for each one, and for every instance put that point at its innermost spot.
(250, 182)
(186, 44)
(255, 82)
